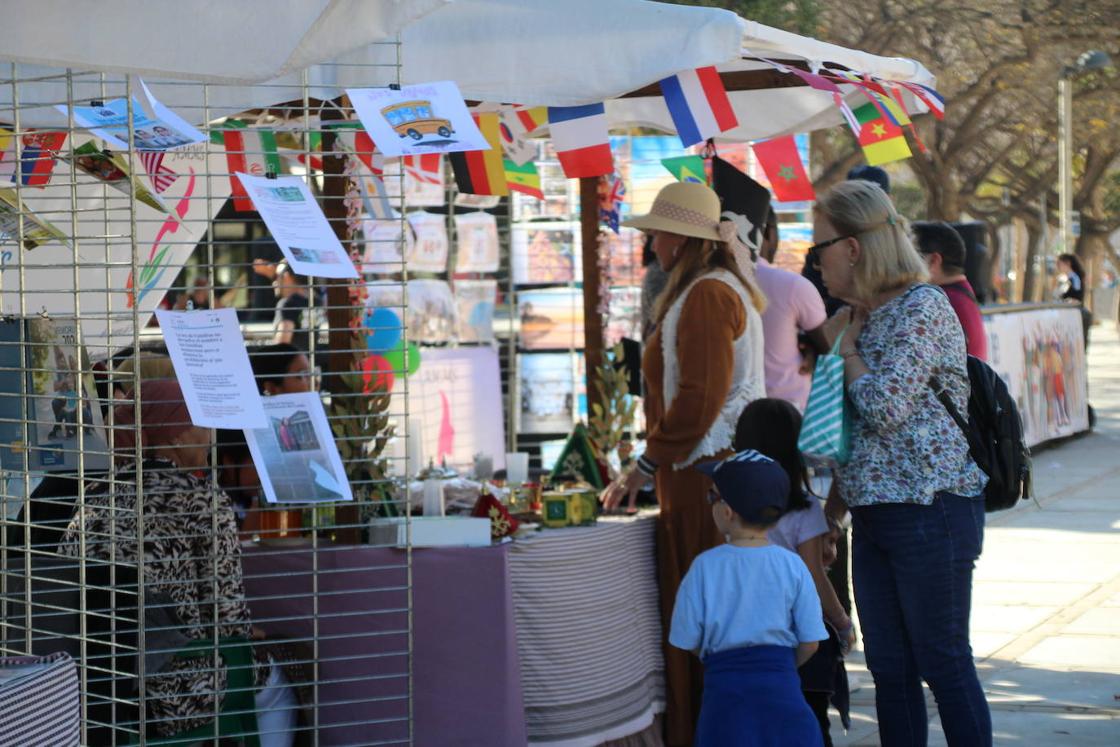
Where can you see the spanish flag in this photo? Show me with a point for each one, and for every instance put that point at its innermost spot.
(481, 172)
(882, 140)
(524, 178)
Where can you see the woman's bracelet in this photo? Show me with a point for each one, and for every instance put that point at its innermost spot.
(849, 354)
(646, 466)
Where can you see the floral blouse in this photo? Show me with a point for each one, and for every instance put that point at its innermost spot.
(905, 445)
(191, 555)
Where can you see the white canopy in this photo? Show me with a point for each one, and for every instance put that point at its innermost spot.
(522, 51)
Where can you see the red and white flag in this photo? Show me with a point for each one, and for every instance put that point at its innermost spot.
(426, 168)
(579, 134)
(159, 175)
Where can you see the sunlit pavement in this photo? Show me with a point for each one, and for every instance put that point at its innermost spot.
(1046, 596)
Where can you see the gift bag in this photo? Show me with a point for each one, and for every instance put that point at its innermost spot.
(826, 426)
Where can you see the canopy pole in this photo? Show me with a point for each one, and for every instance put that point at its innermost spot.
(592, 281)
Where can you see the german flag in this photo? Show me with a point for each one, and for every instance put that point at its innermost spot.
(481, 172)
(524, 179)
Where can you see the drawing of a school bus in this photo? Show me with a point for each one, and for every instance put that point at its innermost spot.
(414, 119)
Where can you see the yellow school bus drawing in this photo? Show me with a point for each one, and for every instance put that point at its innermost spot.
(414, 119)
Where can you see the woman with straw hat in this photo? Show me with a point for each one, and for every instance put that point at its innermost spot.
(703, 364)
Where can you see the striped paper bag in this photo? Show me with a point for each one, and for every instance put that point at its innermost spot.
(826, 427)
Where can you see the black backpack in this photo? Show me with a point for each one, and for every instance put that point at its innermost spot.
(995, 435)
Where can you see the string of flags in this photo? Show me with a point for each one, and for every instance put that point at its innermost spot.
(491, 152)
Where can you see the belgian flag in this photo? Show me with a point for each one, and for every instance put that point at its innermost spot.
(481, 172)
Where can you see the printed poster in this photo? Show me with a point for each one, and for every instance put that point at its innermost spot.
(36, 230)
(430, 316)
(453, 399)
(111, 169)
(1041, 356)
(155, 127)
(295, 454)
(551, 319)
(551, 392)
(298, 226)
(386, 242)
(474, 302)
(546, 253)
(429, 245)
(423, 118)
(476, 242)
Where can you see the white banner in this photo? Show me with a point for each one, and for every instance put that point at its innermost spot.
(1040, 353)
(101, 292)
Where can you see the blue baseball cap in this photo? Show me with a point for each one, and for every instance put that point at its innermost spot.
(751, 483)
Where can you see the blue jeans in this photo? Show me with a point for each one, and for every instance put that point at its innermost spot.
(912, 570)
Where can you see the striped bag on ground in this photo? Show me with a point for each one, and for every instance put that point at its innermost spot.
(826, 427)
(39, 704)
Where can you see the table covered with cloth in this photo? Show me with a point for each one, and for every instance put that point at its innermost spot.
(553, 640)
(589, 633)
(466, 687)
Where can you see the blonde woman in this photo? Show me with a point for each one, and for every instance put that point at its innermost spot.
(914, 492)
(702, 365)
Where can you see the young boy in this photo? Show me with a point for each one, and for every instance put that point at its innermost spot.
(751, 612)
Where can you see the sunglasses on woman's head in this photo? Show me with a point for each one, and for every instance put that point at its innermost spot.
(815, 250)
(713, 496)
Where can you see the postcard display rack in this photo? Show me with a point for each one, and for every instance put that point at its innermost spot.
(95, 230)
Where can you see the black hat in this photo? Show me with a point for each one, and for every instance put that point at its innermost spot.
(872, 174)
(741, 197)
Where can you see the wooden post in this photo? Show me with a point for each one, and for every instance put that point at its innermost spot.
(340, 345)
(592, 322)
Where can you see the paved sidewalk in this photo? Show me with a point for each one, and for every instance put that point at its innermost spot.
(1046, 596)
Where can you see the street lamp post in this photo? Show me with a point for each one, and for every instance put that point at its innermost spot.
(1092, 60)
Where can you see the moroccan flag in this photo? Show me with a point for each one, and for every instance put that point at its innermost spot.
(481, 172)
(882, 140)
(686, 168)
(524, 178)
(782, 163)
(249, 151)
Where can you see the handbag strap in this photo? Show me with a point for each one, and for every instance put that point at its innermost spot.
(839, 339)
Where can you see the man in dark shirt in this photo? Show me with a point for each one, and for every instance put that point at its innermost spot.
(944, 252)
(292, 320)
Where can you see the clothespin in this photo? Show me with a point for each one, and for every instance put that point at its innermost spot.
(710, 149)
(394, 86)
(96, 102)
(270, 175)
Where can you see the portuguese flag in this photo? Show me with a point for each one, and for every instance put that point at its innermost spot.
(882, 140)
(481, 172)
(524, 178)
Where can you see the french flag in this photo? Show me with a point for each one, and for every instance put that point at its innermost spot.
(698, 104)
(579, 134)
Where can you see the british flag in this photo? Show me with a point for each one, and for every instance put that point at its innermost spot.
(160, 176)
(612, 193)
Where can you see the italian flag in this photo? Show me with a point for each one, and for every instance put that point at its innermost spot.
(249, 151)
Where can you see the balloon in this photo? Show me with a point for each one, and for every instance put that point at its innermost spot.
(377, 374)
(395, 357)
(384, 330)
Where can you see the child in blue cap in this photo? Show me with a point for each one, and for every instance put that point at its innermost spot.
(750, 611)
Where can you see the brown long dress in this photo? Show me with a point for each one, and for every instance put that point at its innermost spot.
(711, 319)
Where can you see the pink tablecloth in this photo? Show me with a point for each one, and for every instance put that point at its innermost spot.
(466, 684)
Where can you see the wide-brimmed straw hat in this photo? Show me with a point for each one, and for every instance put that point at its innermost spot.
(683, 208)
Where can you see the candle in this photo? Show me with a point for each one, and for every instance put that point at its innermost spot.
(433, 497)
(414, 447)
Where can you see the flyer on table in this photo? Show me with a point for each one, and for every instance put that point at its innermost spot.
(212, 365)
(155, 127)
(424, 118)
(295, 453)
(298, 225)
